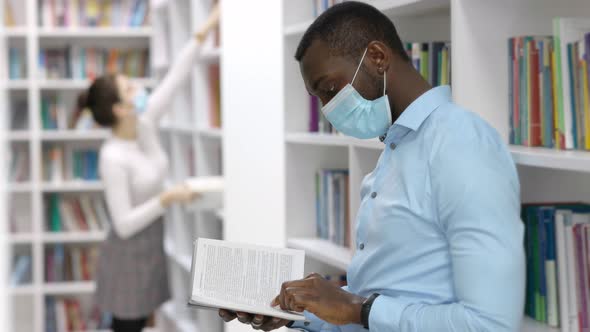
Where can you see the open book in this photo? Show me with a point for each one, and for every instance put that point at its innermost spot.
(241, 277)
(210, 189)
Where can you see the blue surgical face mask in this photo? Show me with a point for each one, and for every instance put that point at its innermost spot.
(356, 116)
(140, 100)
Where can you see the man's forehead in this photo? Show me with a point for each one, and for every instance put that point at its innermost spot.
(315, 56)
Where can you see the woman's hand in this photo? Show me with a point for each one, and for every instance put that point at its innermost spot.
(179, 194)
(212, 22)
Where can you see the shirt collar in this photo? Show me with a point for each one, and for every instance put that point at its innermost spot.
(415, 114)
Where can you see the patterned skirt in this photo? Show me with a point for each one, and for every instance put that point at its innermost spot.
(132, 278)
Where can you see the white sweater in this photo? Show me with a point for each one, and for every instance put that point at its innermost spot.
(133, 171)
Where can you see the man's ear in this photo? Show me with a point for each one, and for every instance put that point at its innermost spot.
(379, 55)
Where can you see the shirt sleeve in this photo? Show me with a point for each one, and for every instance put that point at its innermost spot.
(127, 220)
(476, 190)
(178, 74)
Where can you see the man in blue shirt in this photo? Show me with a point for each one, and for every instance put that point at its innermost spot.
(438, 234)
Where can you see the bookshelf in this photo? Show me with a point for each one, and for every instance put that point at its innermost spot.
(28, 195)
(194, 145)
(271, 198)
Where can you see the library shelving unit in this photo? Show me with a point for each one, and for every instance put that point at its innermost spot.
(478, 31)
(26, 198)
(194, 144)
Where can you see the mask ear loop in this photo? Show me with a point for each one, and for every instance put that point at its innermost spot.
(359, 67)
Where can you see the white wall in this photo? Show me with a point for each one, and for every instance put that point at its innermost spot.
(253, 145)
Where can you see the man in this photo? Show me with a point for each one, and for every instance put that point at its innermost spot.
(439, 240)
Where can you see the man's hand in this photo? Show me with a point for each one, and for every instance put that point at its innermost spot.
(321, 298)
(258, 322)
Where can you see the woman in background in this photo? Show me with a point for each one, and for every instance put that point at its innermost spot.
(132, 279)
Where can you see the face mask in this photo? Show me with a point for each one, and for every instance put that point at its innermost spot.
(355, 116)
(140, 100)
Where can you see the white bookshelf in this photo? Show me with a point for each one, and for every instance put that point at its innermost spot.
(28, 301)
(278, 178)
(195, 149)
(140, 32)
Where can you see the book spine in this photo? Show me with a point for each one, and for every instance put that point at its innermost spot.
(550, 268)
(535, 111)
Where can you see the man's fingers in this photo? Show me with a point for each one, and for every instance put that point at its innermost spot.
(244, 317)
(296, 298)
(258, 321)
(227, 315)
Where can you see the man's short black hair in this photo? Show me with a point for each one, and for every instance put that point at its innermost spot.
(348, 28)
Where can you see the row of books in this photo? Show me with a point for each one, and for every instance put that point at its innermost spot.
(21, 270)
(15, 13)
(214, 96)
(332, 202)
(76, 164)
(557, 251)
(19, 163)
(17, 63)
(549, 91)
(75, 214)
(320, 6)
(57, 114)
(77, 62)
(70, 263)
(93, 13)
(66, 314)
(432, 60)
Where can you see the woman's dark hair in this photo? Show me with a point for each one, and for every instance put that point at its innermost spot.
(100, 98)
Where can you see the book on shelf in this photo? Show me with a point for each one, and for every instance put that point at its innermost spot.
(549, 94)
(76, 164)
(19, 163)
(75, 62)
(320, 6)
(214, 96)
(556, 243)
(432, 60)
(58, 114)
(93, 13)
(67, 314)
(317, 121)
(21, 271)
(16, 63)
(14, 13)
(70, 263)
(256, 274)
(19, 215)
(19, 114)
(567, 31)
(75, 214)
(332, 206)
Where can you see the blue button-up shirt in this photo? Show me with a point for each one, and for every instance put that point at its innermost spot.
(438, 231)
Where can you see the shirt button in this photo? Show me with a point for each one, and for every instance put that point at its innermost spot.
(392, 146)
(306, 323)
(373, 194)
(361, 246)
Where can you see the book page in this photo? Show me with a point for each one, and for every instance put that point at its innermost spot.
(242, 277)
